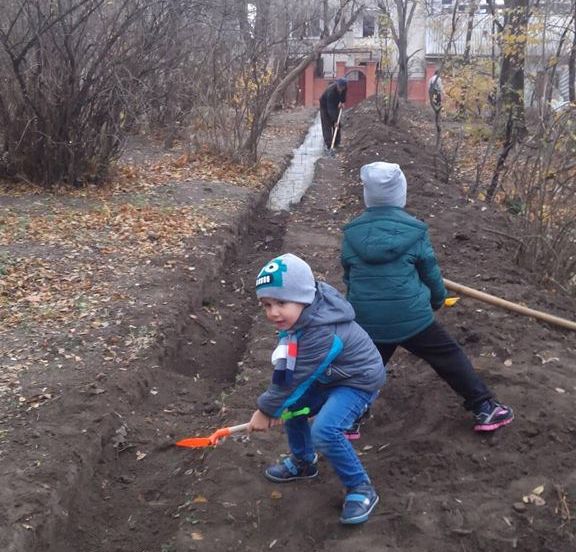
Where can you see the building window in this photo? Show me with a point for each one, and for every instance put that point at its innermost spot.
(368, 25)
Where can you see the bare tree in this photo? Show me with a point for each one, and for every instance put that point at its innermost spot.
(256, 50)
(70, 72)
(572, 64)
(513, 36)
(400, 14)
(387, 100)
(335, 26)
(473, 6)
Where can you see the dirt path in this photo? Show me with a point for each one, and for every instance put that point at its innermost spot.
(443, 488)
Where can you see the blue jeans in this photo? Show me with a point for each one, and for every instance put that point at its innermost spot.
(335, 409)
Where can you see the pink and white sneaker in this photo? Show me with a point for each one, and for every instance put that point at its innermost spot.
(491, 415)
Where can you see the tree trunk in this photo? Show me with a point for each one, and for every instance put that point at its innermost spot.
(572, 65)
(553, 64)
(403, 66)
(510, 139)
(469, 30)
(512, 68)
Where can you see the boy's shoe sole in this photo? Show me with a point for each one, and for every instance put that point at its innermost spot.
(287, 470)
(352, 436)
(271, 477)
(494, 426)
(363, 517)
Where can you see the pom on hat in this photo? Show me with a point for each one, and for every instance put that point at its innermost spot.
(384, 185)
(287, 278)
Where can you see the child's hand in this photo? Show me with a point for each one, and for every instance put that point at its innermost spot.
(260, 422)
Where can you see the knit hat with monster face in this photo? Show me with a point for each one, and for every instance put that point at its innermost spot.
(287, 278)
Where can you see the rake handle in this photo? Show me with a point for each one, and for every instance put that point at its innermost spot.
(514, 307)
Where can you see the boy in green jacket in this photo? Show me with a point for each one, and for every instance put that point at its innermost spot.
(395, 285)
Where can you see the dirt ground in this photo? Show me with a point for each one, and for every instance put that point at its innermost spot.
(92, 466)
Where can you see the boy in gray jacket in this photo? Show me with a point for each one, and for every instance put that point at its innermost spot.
(323, 361)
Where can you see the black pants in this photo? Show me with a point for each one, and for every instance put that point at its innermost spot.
(328, 129)
(439, 349)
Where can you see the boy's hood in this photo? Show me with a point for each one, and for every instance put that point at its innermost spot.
(383, 234)
(329, 307)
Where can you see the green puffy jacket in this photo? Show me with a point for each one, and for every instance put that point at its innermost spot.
(390, 269)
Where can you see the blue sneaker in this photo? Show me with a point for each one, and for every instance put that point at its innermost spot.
(358, 504)
(291, 469)
(491, 415)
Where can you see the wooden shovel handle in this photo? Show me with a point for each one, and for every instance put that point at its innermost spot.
(493, 300)
(336, 129)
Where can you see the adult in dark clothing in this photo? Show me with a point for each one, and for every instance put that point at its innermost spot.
(331, 102)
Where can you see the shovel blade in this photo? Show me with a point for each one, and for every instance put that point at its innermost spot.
(195, 442)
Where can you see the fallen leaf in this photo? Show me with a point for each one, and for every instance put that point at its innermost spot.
(200, 500)
(545, 358)
(197, 536)
(140, 455)
(276, 495)
(508, 362)
(538, 490)
(560, 390)
(533, 499)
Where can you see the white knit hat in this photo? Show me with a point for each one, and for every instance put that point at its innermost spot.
(384, 185)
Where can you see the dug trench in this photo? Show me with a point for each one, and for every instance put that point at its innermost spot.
(138, 491)
(443, 488)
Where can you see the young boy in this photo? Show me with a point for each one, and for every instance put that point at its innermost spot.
(395, 285)
(323, 361)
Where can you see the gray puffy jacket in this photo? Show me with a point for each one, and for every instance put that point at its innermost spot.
(332, 350)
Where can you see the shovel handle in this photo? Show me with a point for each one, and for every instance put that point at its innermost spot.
(212, 440)
(227, 431)
(237, 428)
(336, 129)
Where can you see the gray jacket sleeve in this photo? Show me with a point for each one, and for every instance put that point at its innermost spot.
(313, 348)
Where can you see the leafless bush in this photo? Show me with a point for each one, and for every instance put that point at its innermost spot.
(78, 74)
(540, 187)
(73, 74)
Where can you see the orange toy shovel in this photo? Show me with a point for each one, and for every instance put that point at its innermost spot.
(212, 440)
